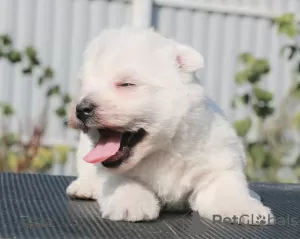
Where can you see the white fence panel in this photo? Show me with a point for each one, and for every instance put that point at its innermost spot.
(59, 30)
(221, 30)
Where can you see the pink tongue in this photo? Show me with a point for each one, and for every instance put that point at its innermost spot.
(107, 147)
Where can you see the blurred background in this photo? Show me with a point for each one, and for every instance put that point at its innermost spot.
(252, 57)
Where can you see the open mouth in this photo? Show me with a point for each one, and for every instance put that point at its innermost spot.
(114, 147)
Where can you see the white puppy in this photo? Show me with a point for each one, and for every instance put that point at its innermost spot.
(163, 143)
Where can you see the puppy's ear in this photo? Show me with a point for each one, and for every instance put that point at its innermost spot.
(188, 59)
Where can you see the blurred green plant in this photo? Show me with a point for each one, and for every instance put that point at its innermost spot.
(270, 134)
(15, 154)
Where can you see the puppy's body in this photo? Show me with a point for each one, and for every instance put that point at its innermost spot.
(191, 156)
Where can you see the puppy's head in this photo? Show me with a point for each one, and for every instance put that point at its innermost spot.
(134, 91)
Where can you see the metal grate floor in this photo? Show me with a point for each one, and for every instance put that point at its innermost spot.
(36, 206)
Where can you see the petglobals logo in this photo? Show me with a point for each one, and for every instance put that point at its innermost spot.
(258, 220)
(200, 225)
(245, 219)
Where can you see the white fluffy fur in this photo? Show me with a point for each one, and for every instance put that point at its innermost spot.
(192, 156)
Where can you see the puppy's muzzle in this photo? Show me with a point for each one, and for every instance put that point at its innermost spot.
(85, 110)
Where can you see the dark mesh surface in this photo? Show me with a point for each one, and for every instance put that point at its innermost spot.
(36, 206)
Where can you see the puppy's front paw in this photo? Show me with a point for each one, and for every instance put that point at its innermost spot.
(227, 199)
(81, 188)
(256, 214)
(130, 202)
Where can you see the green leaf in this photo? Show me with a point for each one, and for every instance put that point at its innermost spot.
(41, 80)
(295, 90)
(61, 112)
(13, 160)
(1, 51)
(62, 152)
(55, 90)
(291, 30)
(297, 171)
(9, 139)
(66, 99)
(35, 61)
(241, 77)
(242, 127)
(297, 163)
(14, 56)
(233, 104)
(292, 49)
(30, 52)
(296, 121)
(257, 153)
(6, 40)
(254, 78)
(43, 159)
(263, 111)
(269, 161)
(27, 70)
(286, 24)
(286, 18)
(246, 58)
(47, 75)
(242, 99)
(7, 110)
(246, 98)
(48, 72)
(262, 95)
(261, 66)
(65, 123)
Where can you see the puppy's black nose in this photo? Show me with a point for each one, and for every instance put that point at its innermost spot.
(84, 110)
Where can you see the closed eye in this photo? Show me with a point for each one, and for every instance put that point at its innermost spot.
(125, 84)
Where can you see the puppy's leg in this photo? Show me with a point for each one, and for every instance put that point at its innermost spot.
(123, 199)
(84, 185)
(225, 194)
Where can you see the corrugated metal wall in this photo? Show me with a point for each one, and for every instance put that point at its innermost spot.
(60, 29)
(221, 37)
